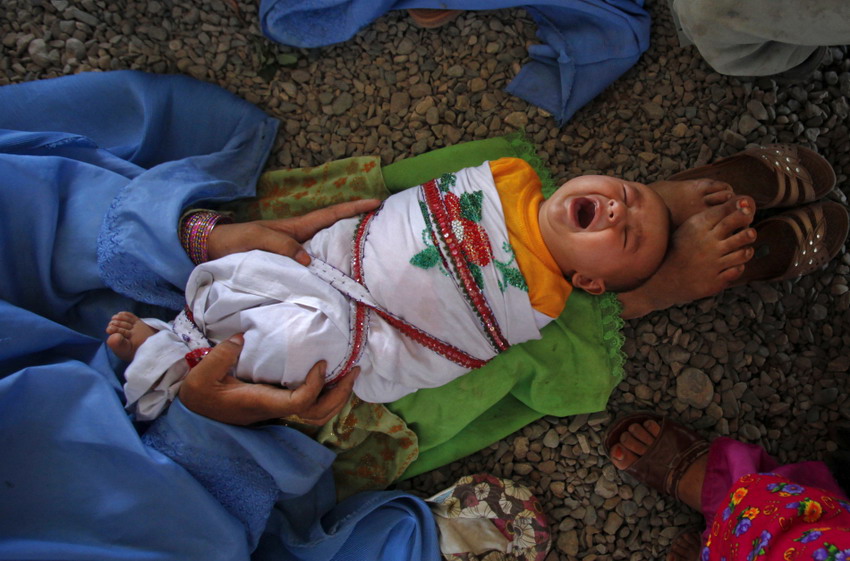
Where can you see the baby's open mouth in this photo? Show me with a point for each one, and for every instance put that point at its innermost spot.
(585, 210)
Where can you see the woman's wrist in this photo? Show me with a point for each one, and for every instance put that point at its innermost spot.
(195, 229)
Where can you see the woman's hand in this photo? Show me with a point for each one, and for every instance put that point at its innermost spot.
(284, 235)
(211, 391)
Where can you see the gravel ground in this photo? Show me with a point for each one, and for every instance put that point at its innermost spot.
(764, 363)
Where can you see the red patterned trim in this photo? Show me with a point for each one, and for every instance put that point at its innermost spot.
(426, 340)
(435, 204)
(361, 313)
(429, 341)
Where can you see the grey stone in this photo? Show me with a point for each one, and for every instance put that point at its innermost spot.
(612, 523)
(552, 439)
(399, 102)
(568, 543)
(342, 103)
(605, 488)
(653, 110)
(747, 124)
(694, 388)
(757, 110)
(82, 16)
(37, 50)
(517, 119)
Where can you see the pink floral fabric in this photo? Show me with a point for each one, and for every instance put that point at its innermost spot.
(768, 517)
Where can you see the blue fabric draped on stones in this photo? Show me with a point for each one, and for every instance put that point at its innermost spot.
(586, 44)
(95, 170)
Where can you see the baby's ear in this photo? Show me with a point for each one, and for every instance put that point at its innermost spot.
(592, 286)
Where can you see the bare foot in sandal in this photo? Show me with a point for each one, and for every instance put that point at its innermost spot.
(126, 334)
(691, 196)
(661, 454)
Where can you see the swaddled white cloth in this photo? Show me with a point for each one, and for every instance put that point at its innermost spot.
(437, 257)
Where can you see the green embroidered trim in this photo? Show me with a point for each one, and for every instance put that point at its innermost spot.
(430, 256)
(447, 181)
(471, 204)
(424, 209)
(511, 276)
(523, 148)
(612, 332)
(427, 258)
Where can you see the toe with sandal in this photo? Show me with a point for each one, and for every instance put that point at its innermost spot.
(664, 464)
(662, 467)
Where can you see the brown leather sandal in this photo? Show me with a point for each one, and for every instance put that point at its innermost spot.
(675, 449)
(796, 242)
(775, 176)
(430, 18)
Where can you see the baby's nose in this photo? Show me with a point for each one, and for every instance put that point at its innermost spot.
(616, 211)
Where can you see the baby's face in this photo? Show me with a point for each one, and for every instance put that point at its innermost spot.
(606, 233)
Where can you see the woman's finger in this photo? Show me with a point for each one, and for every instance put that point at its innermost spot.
(304, 227)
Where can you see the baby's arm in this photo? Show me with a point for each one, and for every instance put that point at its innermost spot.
(707, 253)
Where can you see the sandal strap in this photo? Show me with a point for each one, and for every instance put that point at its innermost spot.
(666, 461)
(683, 461)
(809, 226)
(794, 182)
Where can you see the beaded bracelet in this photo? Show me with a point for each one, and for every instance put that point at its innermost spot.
(195, 230)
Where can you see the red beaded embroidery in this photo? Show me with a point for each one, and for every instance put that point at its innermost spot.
(443, 225)
(426, 340)
(359, 322)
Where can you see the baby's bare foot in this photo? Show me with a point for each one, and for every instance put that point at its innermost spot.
(126, 334)
(636, 441)
(691, 196)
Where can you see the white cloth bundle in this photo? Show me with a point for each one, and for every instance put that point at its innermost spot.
(293, 318)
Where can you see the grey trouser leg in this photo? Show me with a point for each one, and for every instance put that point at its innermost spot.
(762, 37)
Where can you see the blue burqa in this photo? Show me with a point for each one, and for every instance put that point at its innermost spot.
(585, 44)
(95, 170)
